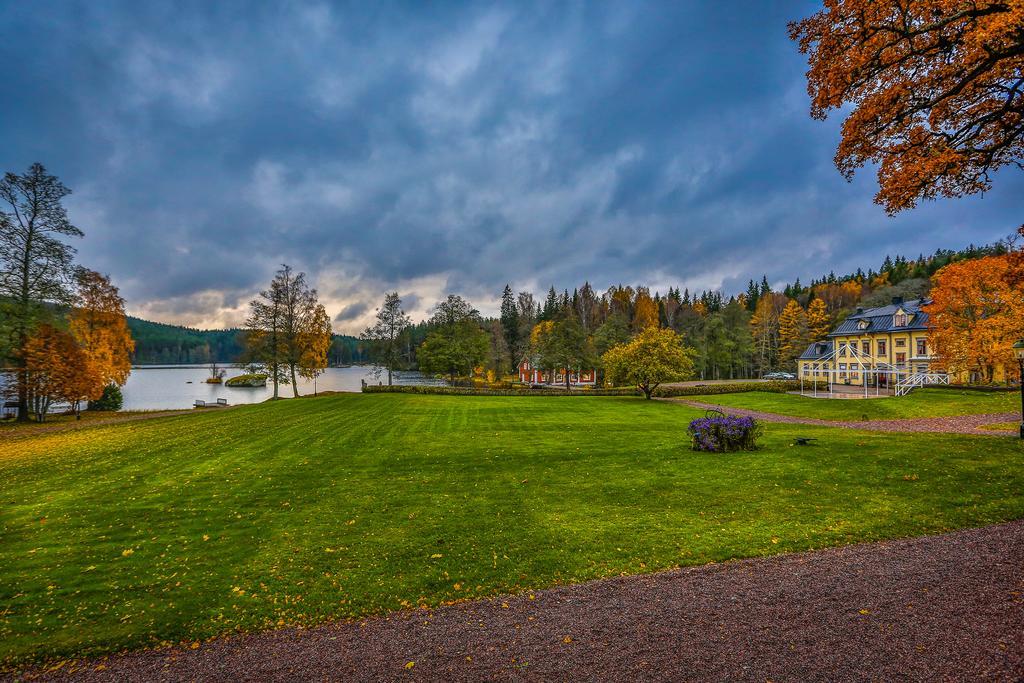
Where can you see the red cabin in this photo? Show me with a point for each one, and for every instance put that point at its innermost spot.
(529, 373)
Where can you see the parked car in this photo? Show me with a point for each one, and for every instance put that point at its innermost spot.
(779, 375)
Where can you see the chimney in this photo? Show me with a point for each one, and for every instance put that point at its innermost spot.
(897, 300)
(860, 309)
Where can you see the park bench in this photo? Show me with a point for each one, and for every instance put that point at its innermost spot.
(199, 404)
(222, 401)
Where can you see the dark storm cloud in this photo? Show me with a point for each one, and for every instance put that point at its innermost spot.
(442, 148)
(351, 312)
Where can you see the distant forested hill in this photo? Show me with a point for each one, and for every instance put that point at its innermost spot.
(160, 344)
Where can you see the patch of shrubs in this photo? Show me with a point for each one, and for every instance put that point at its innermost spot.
(513, 391)
(112, 399)
(724, 433)
(774, 387)
(995, 388)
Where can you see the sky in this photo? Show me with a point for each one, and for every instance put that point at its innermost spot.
(435, 148)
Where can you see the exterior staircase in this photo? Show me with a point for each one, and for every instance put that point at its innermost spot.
(919, 379)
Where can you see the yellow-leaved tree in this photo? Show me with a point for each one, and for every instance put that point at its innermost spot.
(315, 342)
(645, 310)
(792, 333)
(818, 322)
(651, 358)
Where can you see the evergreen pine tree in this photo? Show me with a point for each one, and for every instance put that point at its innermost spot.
(510, 323)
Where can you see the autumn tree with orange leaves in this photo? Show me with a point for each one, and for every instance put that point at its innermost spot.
(936, 86)
(98, 324)
(645, 311)
(57, 370)
(977, 313)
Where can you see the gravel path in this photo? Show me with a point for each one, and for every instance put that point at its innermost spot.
(947, 607)
(955, 424)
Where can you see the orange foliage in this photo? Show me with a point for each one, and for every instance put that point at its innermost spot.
(57, 369)
(937, 88)
(792, 332)
(99, 326)
(818, 323)
(839, 296)
(645, 311)
(977, 313)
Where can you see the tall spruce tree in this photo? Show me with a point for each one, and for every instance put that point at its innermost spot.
(510, 323)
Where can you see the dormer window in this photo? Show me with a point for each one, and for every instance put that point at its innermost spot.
(899, 319)
(863, 325)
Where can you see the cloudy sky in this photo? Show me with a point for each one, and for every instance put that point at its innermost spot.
(449, 148)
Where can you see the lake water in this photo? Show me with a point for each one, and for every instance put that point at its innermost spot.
(178, 386)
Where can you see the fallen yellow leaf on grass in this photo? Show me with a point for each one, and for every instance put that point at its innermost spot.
(126, 552)
(436, 556)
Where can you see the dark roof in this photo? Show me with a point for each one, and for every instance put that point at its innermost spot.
(880, 319)
(816, 350)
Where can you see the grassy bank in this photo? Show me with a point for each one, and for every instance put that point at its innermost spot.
(188, 527)
(920, 403)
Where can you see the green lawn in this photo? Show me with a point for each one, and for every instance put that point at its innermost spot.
(182, 528)
(919, 403)
(1002, 426)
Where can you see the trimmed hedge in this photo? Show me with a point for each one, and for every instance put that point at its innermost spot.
(973, 387)
(660, 392)
(523, 391)
(773, 387)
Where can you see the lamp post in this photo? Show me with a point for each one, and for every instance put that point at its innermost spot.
(1018, 350)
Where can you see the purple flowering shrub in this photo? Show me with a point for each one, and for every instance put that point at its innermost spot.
(724, 433)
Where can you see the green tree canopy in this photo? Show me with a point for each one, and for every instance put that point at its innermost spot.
(456, 343)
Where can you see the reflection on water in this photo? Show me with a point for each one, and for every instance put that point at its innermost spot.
(179, 386)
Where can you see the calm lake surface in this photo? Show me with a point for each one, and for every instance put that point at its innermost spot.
(178, 386)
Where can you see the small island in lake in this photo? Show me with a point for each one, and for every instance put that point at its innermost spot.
(247, 381)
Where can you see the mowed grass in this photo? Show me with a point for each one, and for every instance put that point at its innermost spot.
(919, 403)
(183, 528)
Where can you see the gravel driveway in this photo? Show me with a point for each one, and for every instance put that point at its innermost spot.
(947, 607)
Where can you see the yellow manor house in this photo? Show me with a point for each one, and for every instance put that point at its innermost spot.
(883, 348)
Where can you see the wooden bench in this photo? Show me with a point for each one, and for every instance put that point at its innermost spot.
(222, 401)
(199, 404)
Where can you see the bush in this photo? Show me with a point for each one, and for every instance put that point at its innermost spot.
(774, 387)
(112, 399)
(995, 388)
(514, 391)
(480, 383)
(724, 433)
(523, 390)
